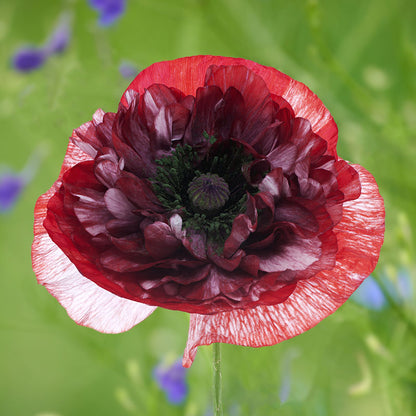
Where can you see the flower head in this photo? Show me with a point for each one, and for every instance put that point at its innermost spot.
(369, 294)
(11, 186)
(28, 58)
(128, 70)
(13, 183)
(110, 10)
(172, 380)
(216, 190)
(60, 37)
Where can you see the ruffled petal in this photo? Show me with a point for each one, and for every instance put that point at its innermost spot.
(242, 227)
(73, 156)
(86, 303)
(160, 240)
(360, 236)
(258, 103)
(203, 119)
(306, 104)
(187, 74)
(95, 134)
(298, 254)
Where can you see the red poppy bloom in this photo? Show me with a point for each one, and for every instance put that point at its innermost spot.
(216, 190)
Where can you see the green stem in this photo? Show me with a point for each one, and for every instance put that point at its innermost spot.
(217, 379)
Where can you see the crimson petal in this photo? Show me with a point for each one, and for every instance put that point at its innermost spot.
(187, 74)
(160, 240)
(254, 92)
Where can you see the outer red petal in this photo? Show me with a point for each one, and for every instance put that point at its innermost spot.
(187, 74)
(360, 236)
(86, 303)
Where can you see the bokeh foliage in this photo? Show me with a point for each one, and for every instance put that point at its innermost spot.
(360, 58)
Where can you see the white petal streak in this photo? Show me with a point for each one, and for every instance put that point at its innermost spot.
(298, 255)
(86, 303)
(360, 236)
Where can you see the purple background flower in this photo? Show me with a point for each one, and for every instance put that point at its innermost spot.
(28, 58)
(110, 10)
(370, 295)
(13, 183)
(404, 285)
(172, 380)
(60, 37)
(11, 186)
(128, 70)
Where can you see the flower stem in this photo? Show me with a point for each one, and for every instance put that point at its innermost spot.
(217, 379)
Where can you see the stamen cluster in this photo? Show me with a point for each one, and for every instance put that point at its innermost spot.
(208, 192)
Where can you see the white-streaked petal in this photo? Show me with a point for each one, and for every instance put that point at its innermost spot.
(86, 303)
(360, 236)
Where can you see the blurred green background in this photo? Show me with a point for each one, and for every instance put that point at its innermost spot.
(360, 58)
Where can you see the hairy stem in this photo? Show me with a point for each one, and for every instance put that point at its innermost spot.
(217, 379)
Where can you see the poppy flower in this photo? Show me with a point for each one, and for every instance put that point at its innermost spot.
(216, 190)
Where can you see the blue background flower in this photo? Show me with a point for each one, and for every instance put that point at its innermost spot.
(110, 10)
(369, 294)
(11, 186)
(28, 58)
(172, 380)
